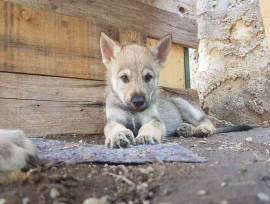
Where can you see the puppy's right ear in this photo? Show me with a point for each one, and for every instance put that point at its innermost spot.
(109, 48)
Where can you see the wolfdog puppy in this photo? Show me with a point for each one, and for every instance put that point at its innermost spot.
(136, 113)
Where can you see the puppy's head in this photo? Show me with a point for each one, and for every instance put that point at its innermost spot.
(133, 70)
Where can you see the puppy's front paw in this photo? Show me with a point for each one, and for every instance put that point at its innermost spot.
(185, 130)
(204, 131)
(146, 139)
(121, 139)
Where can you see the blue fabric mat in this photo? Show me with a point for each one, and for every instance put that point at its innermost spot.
(55, 151)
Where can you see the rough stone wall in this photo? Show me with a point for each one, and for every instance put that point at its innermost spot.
(231, 68)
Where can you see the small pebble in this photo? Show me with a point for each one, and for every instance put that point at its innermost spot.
(102, 200)
(147, 170)
(3, 201)
(267, 151)
(223, 184)
(201, 192)
(224, 202)
(58, 202)
(249, 139)
(25, 200)
(243, 169)
(54, 193)
(263, 197)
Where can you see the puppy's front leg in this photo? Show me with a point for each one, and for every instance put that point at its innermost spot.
(117, 135)
(151, 133)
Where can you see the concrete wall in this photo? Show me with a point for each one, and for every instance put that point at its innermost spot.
(231, 68)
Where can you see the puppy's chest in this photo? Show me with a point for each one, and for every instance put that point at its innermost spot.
(135, 121)
(134, 124)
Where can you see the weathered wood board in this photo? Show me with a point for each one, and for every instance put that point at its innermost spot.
(38, 42)
(180, 7)
(51, 105)
(50, 117)
(125, 14)
(44, 88)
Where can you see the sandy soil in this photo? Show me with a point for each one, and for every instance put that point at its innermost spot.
(237, 171)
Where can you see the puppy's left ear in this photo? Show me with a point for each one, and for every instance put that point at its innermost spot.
(162, 49)
(109, 48)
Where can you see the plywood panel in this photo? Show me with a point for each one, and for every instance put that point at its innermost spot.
(38, 42)
(125, 14)
(265, 10)
(173, 74)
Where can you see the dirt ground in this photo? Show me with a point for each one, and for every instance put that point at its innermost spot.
(237, 171)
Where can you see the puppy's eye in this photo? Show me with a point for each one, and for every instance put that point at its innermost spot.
(124, 78)
(148, 77)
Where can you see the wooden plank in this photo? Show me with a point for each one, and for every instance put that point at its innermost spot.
(50, 117)
(42, 88)
(180, 7)
(38, 42)
(265, 11)
(173, 74)
(51, 105)
(125, 14)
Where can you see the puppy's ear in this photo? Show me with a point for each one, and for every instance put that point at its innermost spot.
(109, 48)
(162, 49)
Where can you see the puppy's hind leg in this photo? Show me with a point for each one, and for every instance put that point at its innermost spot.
(198, 124)
(185, 130)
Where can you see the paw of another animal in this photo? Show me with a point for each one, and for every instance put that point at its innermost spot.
(121, 139)
(146, 139)
(204, 131)
(185, 130)
(17, 152)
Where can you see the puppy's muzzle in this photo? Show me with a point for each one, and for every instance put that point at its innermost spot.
(138, 101)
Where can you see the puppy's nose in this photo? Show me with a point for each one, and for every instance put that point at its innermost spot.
(138, 100)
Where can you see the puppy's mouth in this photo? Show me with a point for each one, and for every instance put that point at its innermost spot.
(141, 108)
